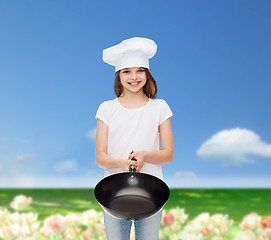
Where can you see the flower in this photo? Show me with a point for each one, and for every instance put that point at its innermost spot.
(14, 218)
(14, 230)
(217, 219)
(44, 231)
(221, 223)
(192, 231)
(56, 224)
(206, 231)
(27, 237)
(86, 234)
(3, 214)
(90, 217)
(73, 220)
(168, 219)
(72, 232)
(245, 235)
(30, 218)
(3, 231)
(217, 238)
(265, 222)
(20, 202)
(250, 221)
(203, 219)
(179, 214)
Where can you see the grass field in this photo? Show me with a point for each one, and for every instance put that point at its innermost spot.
(234, 202)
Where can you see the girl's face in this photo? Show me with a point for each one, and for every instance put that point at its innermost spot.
(133, 79)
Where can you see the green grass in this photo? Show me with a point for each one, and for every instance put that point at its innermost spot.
(234, 202)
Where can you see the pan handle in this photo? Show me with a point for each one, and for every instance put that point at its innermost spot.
(132, 167)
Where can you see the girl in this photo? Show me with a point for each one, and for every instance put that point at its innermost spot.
(133, 121)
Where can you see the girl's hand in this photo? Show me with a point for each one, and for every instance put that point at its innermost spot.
(140, 156)
(124, 164)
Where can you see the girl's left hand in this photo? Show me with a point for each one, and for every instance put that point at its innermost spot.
(140, 156)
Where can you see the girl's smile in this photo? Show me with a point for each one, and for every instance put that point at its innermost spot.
(135, 83)
(133, 79)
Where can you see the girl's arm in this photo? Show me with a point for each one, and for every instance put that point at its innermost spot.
(165, 155)
(101, 157)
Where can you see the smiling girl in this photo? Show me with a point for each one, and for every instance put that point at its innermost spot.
(133, 121)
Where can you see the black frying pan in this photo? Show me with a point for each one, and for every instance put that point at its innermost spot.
(131, 195)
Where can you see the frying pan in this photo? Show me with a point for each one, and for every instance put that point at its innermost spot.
(131, 195)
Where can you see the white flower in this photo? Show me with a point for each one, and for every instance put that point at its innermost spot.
(14, 218)
(221, 223)
(203, 219)
(174, 237)
(179, 214)
(3, 231)
(99, 229)
(3, 214)
(90, 217)
(28, 237)
(218, 219)
(217, 238)
(72, 232)
(250, 221)
(20, 202)
(245, 235)
(29, 218)
(191, 231)
(14, 230)
(189, 236)
(175, 226)
(73, 220)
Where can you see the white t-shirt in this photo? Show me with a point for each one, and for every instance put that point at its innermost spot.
(133, 130)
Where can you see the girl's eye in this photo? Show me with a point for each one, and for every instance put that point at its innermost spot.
(125, 71)
(141, 70)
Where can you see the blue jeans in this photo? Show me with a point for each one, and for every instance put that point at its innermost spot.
(145, 229)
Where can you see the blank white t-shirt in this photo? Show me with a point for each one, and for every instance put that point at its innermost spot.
(133, 130)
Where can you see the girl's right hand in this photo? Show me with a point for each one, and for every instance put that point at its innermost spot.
(124, 164)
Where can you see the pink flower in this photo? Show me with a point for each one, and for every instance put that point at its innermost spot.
(168, 219)
(56, 224)
(223, 229)
(206, 231)
(86, 235)
(265, 222)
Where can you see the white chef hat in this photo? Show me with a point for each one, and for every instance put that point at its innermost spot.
(132, 52)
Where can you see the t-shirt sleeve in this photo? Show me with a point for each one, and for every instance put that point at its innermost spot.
(165, 112)
(102, 113)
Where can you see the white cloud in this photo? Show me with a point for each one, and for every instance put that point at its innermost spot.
(6, 140)
(4, 150)
(92, 134)
(25, 157)
(181, 174)
(66, 166)
(218, 182)
(233, 146)
(10, 178)
(25, 142)
(17, 178)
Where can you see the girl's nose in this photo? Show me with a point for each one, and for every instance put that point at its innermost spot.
(134, 75)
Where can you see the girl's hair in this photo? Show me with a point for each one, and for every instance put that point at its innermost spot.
(150, 88)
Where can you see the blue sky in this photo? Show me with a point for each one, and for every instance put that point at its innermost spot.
(212, 66)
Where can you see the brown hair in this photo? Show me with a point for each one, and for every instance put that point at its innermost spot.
(150, 88)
